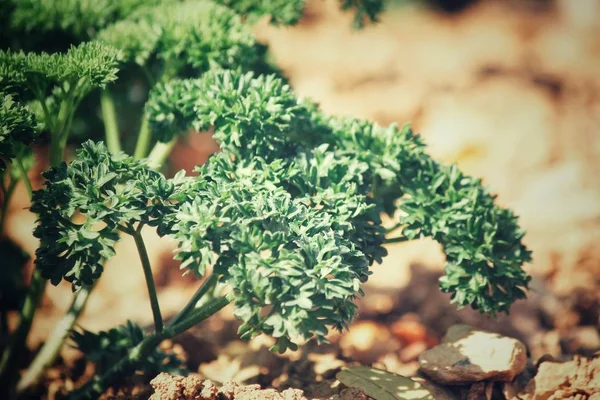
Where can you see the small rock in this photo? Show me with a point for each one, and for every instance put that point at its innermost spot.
(555, 380)
(468, 355)
(516, 389)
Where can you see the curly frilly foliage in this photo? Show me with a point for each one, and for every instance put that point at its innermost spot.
(17, 129)
(80, 18)
(250, 115)
(198, 34)
(289, 12)
(66, 76)
(105, 348)
(85, 204)
(482, 241)
(288, 237)
(261, 119)
(287, 214)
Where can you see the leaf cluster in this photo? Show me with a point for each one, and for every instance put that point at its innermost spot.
(196, 34)
(18, 128)
(85, 204)
(258, 119)
(365, 10)
(64, 75)
(281, 12)
(105, 348)
(287, 235)
(80, 18)
(250, 115)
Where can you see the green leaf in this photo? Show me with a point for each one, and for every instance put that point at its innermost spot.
(383, 385)
(105, 348)
(107, 192)
(189, 34)
(18, 129)
(80, 18)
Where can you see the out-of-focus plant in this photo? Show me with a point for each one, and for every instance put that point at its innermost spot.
(287, 213)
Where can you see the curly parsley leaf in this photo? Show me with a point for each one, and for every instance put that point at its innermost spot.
(196, 34)
(18, 128)
(105, 348)
(85, 204)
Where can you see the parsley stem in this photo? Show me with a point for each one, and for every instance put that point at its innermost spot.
(5, 202)
(143, 141)
(207, 285)
(19, 164)
(160, 152)
(46, 356)
(109, 116)
(397, 240)
(11, 358)
(99, 383)
(394, 227)
(141, 247)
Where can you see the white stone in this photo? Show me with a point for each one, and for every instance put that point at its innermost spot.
(467, 355)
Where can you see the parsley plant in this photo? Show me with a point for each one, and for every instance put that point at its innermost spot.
(287, 215)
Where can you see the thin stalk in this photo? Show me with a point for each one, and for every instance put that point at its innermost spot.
(11, 358)
(99, 384)
(208, 284)
(145, 135)
(46, 356)
(109, 116)
(57, 150)
(143, 140)
(5, 202)
(63, 116)
(51, 348)
(393, 228)
(141, 247)
(159, 153)
(19, 164)
(397, 240)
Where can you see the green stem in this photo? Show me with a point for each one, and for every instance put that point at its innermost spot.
(11, 358)
(397, 240)
(19, 164)
(5, 202)
(139, 242)
(99, 384)
(160, 152)
(109, 116)
(63, 116)
(143, 140)
(208, 284)
(51, 348)
(57, 150)
(47, 355)
(393, 228)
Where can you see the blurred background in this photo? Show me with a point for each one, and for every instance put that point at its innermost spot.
(509, 90)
